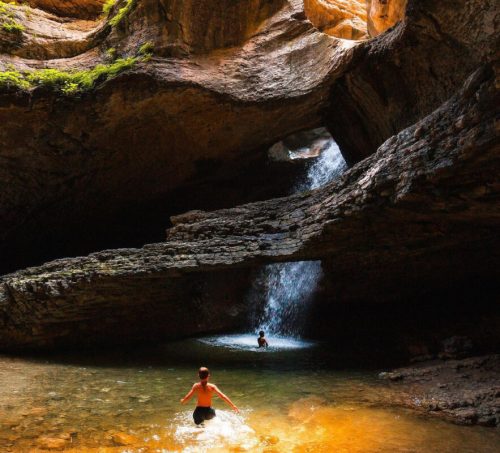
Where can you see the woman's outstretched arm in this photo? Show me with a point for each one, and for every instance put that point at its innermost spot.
(189, 395)
(225, 398)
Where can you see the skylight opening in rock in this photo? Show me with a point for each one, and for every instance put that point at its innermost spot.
(346, 19)
(384, 14)
(301, 145)
(354, 19)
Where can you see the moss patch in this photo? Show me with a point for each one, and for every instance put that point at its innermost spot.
(65, 82)
(8, 22)
(147, 48)
(121, 14)
(108, 6)
(13, 79)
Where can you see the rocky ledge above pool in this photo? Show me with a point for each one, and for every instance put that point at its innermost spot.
(428, 196)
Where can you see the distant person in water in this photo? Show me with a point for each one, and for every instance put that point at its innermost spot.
(262, 340)
(204, 392)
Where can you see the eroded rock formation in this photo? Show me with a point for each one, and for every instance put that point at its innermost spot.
(198, 115)
(429, 194)
(83, 9)
(212, 99)
(342, 18)
(209, 87)
(383, 14)
(403, 75)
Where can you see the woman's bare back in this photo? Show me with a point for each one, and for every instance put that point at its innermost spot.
(204, 394)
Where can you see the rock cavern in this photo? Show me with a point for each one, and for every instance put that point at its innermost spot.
(150, 159)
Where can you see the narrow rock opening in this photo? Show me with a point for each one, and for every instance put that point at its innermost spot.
(354, 19)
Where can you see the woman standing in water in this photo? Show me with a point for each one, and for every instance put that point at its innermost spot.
(204, 392)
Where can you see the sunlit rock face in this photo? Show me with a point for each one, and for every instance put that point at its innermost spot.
(45, 36)
(179, 27)
(383, 14)
(341, 18)
(84, 9)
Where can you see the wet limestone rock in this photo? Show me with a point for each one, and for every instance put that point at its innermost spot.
(52, 443)
(124, 439)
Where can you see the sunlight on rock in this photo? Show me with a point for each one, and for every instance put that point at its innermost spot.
(341, 18)
(383, 14)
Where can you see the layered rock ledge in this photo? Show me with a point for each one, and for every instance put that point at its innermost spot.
(428, 194)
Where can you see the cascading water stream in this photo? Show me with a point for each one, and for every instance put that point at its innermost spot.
(290, 286)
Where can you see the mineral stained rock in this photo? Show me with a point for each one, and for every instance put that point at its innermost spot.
(427, 193)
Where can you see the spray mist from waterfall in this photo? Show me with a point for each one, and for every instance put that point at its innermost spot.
(290, 286)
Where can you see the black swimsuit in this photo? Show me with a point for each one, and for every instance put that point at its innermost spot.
(201, 414)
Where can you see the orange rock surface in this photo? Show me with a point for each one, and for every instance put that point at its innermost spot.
(85, 9)
(383, 14)
(341, 18)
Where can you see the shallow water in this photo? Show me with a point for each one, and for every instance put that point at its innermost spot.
(293, 398)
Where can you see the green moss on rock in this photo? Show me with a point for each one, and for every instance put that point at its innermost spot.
(67, 82)
(121, 14)
(8, 22)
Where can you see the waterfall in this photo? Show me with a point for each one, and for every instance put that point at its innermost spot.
(290, 286)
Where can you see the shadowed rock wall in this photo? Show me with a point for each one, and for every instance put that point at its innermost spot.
(403, 75)
(428, 196)
(180, 27)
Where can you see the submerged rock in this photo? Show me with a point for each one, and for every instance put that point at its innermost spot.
(52, 443)
(124, 439)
